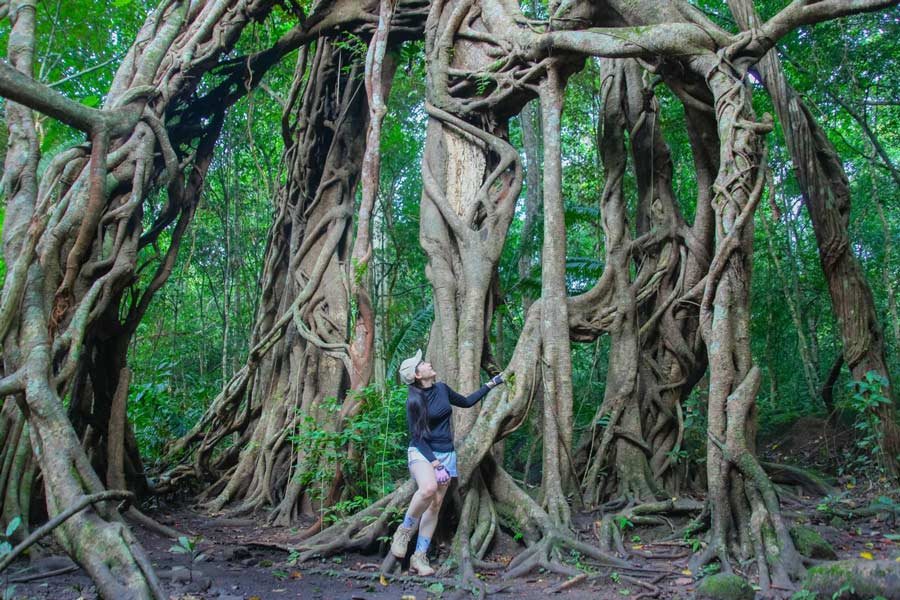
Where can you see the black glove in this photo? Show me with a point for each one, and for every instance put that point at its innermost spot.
(495, 381)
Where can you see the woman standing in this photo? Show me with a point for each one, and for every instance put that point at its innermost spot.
(431, 456)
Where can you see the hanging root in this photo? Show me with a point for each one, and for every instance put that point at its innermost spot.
(612, 526)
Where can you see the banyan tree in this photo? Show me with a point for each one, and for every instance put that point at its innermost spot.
(673, 296)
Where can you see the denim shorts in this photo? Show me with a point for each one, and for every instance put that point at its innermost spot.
(448, 459)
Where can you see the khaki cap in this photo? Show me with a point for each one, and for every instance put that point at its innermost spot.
(407, 368)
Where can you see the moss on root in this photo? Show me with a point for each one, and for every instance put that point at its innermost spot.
(810, 542)
(855, 580)
(724, 586)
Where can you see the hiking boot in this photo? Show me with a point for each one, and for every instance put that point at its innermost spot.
(401, 541)
(418, 562)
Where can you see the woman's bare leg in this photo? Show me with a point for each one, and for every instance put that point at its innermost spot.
(423, 473)
(429, 519)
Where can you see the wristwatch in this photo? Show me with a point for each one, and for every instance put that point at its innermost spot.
(439, 467)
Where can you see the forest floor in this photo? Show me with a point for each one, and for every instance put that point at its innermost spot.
(240, 560)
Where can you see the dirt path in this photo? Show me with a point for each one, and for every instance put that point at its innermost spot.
(237, 564)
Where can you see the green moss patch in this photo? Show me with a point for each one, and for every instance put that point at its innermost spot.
(724, 586)
(855, 580)
(810, 543)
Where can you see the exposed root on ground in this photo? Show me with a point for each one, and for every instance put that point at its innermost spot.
(360, 531)
(152, 524)
(612, 526)
(795, 476)
(546, 540)
(548, 554)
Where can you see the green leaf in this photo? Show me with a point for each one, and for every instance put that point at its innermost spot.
(13, 525)
(92, 100)
(435, 588)
(121, 3)
(5, 548)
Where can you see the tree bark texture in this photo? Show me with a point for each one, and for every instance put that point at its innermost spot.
(641, 417)
(468, 102)
(20, 175)
(300, 334)
(745, 512)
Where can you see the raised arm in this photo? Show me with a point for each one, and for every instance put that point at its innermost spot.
(457, 399)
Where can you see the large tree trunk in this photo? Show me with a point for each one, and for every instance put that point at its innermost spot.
(556, 359)
(745, 513)
(304, 280)
(621, 448)
(20, 174)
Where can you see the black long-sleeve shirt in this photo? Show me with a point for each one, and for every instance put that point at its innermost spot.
(437, 400)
